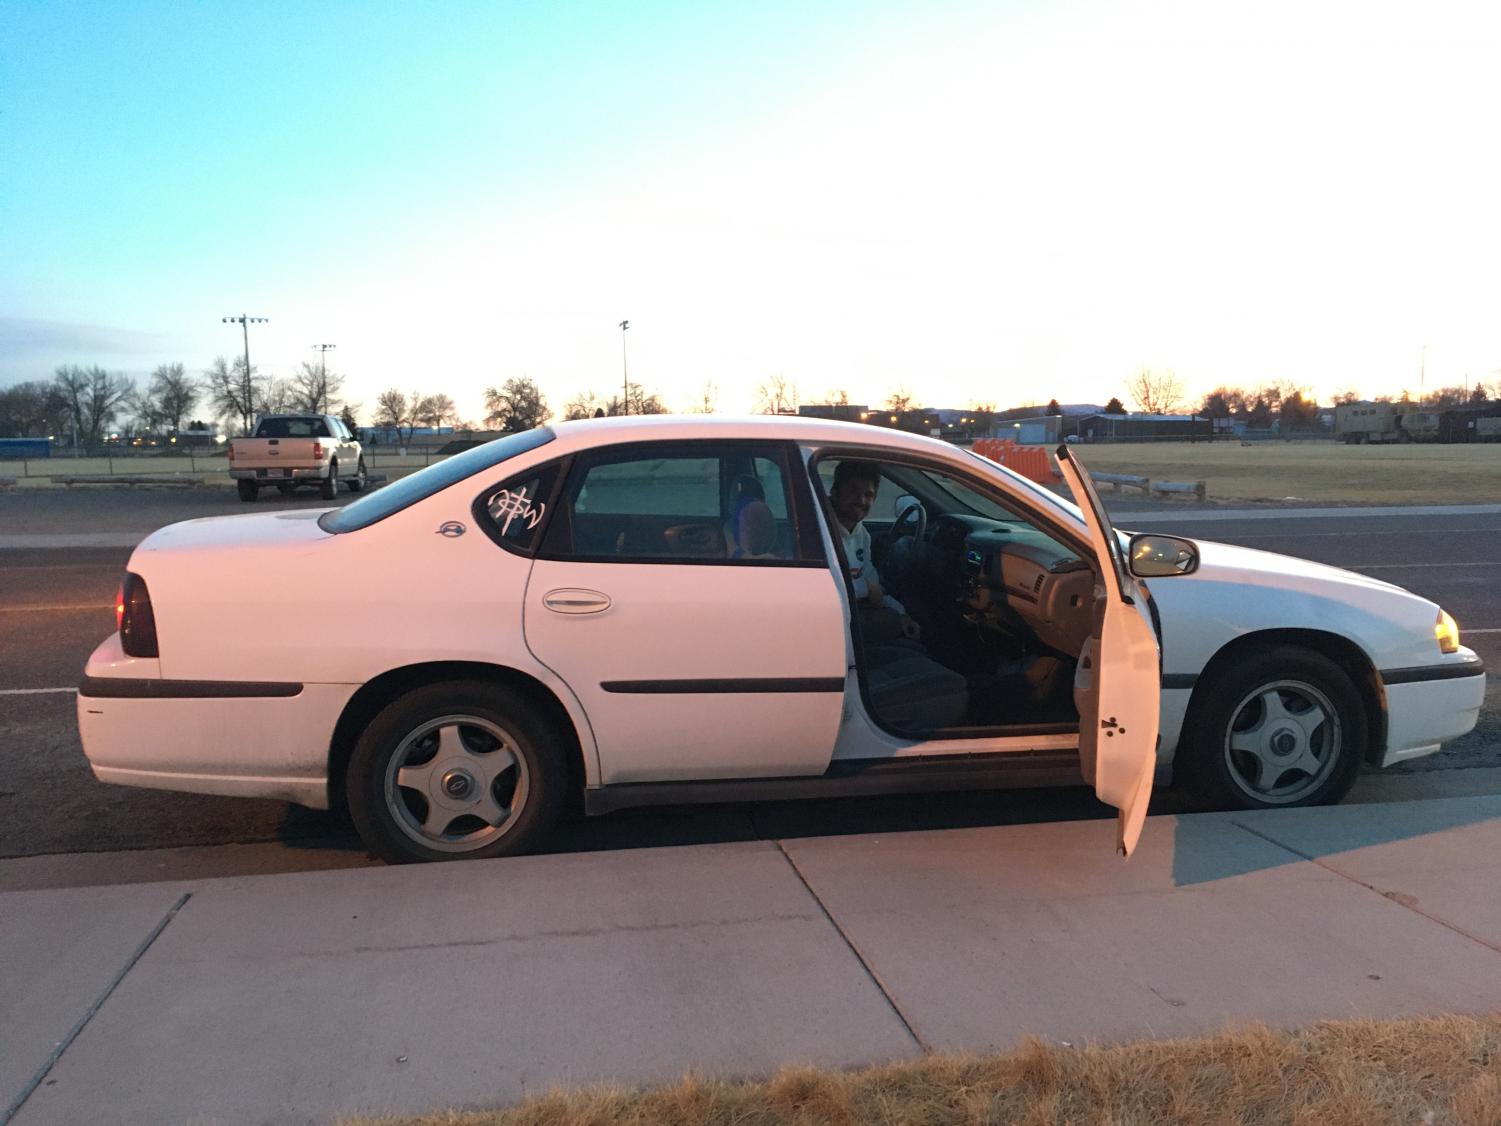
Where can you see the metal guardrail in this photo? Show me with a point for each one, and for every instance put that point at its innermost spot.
(1148, 486)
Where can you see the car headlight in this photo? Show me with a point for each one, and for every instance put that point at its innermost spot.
(1447, 632)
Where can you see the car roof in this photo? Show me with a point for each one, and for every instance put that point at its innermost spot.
(784, 428)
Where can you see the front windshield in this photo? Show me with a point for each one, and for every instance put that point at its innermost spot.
(1035, 490)
(434, 479)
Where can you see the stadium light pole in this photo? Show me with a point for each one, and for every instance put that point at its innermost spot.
(625, 376)
(323, 372)
(244, 320)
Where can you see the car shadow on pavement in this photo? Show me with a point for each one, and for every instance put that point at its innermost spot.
(1203, 850)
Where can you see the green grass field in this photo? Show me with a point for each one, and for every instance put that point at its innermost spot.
(1327, 472)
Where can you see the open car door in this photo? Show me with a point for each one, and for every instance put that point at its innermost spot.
(1118, 684)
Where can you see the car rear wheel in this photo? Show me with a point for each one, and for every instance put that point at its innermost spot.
(330, 486)
(246, 489)
(1283, 728)
(455, 771)
(358, 481)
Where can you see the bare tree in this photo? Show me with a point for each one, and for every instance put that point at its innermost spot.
(638, 401)
(174, 394)
(1348, 395)
(899, 400)
(92, 397)
(275, 396)
(1156, 392)
(517, 404)
(839, 398)
(776, 395)
(583, 405)
(707, 401)
(32, 409)
(314, 389)
(436, 410)
(393, 411)
(232, 391)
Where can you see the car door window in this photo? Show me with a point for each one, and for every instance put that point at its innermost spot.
(514, 514)
(678, 503)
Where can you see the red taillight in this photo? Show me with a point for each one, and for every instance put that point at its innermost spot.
(137, 621)
(317, 451)
(120, 607)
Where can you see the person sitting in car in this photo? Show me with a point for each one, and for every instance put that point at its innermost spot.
(854, 491)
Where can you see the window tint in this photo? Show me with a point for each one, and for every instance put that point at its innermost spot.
(434, 479)
(517, 510)
(292, 428)
(696, 502)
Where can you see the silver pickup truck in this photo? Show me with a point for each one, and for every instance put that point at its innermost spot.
(288, 450)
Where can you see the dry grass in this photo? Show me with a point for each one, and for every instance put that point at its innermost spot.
(1314, 471)
(1346, 1073)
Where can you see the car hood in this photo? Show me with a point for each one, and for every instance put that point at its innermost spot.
(1228, 563)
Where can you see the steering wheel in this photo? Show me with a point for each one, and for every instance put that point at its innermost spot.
(912, 520)
(901, 545)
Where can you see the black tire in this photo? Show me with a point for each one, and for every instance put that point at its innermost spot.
(1254, 721)
(357, 482)
(247, 489)
(489, 720)
(329, 489)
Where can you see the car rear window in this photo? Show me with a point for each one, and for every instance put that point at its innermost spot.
(292, 428)
(434, 479)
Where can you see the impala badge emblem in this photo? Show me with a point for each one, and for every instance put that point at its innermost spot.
(452, 529)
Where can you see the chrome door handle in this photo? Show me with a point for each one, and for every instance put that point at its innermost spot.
(576, 601)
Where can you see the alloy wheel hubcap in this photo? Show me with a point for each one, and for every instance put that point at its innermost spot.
(456, 783)
(1283, 741)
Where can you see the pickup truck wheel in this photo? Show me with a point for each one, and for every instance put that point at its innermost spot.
(246, 489)
(360, 478)
(465, 770)
(330, 487)
(1283, 728)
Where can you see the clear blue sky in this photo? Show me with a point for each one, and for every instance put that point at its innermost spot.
(1004, 201)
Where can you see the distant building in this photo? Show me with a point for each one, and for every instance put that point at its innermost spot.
(1144, 427)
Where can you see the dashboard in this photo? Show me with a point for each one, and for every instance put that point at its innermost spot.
(1019, 580)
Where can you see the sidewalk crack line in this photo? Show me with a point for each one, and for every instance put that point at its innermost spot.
(1404, 901)
(73, 1033)
(855, 950)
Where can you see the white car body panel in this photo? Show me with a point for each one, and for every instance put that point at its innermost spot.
(1117, 681)
(703, 623)
(272, 597)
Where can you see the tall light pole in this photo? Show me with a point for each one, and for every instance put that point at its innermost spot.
(625, 390)
(244, 320)
(323, 374)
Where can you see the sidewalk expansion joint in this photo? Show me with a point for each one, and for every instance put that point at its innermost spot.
(73, 1033)
(870, 972)
(1404, 901)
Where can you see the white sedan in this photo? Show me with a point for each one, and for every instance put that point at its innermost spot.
(651, 610)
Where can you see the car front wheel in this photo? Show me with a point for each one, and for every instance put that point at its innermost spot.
(1285, 727)
(455, 771)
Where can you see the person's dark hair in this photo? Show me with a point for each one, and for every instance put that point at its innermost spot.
(866, 472)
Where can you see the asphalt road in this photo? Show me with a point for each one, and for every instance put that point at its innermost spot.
(60, 827)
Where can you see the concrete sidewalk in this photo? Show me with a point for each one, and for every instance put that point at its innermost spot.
(302, 997)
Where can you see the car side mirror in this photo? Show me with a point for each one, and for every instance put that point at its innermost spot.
(1159, 557)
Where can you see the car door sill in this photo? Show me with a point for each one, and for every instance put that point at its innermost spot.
(855, 778)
